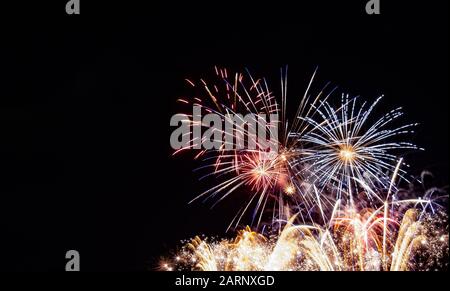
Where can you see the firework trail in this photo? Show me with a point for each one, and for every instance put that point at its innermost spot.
(400, 235)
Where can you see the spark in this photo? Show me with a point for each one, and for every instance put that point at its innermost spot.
(345, 146)
(289, 189)
(353, 243)
(347, 154)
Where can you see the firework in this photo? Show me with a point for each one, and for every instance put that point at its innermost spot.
(331, 187)
(353, 240)
(321, 155)
(271, 178)
(343, 148)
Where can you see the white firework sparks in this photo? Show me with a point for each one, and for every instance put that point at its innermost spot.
(343, 149)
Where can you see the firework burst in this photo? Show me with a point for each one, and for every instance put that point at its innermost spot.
(352, 240)
(273, 178)
(343, 148)
(322, 154)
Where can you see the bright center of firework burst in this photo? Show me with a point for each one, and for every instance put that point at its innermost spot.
(289, 190)
(260, 171)
(347, 154)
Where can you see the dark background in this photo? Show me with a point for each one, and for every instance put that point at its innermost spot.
(85, 104)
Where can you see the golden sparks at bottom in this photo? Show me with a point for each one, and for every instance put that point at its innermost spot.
(356, 241)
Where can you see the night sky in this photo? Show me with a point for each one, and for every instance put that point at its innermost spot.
(85, 104)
